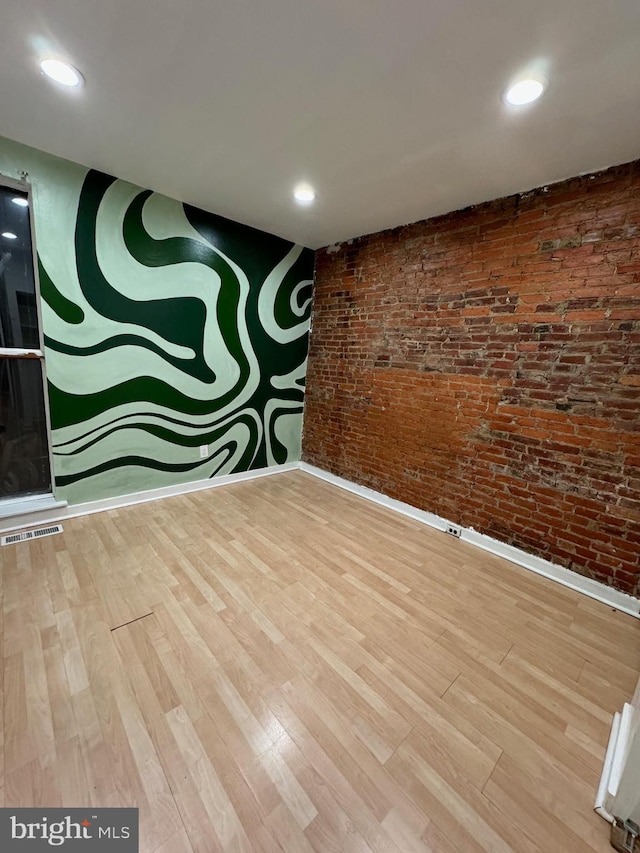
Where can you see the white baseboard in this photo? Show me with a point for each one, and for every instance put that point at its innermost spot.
(63, 511)
(608, 595)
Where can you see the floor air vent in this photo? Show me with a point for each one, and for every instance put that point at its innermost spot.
(26, 535)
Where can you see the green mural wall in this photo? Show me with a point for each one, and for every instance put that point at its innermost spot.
(166, 328)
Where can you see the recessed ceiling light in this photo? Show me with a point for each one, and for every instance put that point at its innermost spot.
(9, 235)
(304, 193)
(21, 202)
(524, 92)
(62, 72)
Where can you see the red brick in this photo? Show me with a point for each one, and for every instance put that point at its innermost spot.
(456, 366)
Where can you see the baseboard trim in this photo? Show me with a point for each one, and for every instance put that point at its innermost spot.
(63, 512)
(607, 595)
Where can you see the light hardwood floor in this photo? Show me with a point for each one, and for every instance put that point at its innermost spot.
(280, 665)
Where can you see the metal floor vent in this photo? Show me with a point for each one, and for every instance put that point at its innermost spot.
(26, 535)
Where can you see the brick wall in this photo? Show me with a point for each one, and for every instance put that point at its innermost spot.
(485, 366)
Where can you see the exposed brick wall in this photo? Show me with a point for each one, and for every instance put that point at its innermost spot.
(485, 366)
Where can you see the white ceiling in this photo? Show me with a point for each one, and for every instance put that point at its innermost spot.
(390, 108)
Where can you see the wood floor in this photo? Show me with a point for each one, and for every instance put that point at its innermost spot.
(280, 665)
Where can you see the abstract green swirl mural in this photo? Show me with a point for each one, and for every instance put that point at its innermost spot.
(166, 328)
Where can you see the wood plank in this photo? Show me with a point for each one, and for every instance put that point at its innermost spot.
(301, 671)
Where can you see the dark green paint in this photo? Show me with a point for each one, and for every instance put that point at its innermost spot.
(64, 308)
(181, 320)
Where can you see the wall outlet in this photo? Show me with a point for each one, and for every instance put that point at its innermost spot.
(453, 531)
(204, 451)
